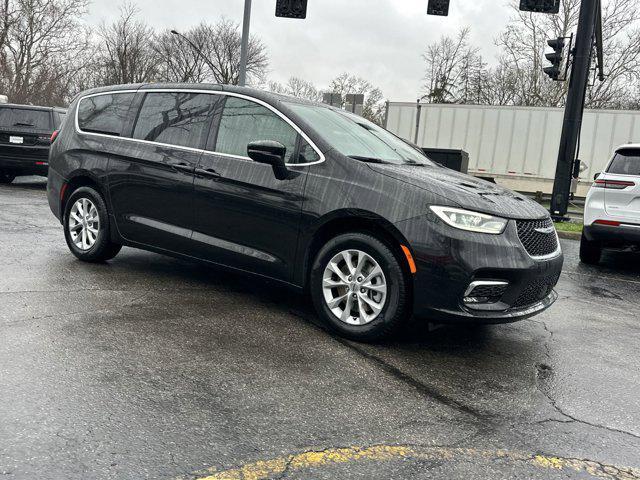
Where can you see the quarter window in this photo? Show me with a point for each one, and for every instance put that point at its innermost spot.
(104, 114)
(626, 162)
(175, 118)
(244, 122)
(307, 153)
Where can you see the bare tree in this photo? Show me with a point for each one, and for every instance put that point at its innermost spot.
(42, 40)
(455, 71)
(178, 60)
(297, 87)
(222, 42)
(6, 19)
(373, 108)
(215, 58)
(524, 43)
(125, 53)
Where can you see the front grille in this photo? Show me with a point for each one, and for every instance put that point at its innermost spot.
(537, 243)
(536, 291)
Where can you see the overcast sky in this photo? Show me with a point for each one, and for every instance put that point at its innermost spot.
(380, 40)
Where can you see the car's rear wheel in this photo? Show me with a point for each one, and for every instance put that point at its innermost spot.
(86, 226)
(590, 251)
(359, 288)
(6, 177)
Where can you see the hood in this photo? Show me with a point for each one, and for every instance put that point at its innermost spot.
(465, 191)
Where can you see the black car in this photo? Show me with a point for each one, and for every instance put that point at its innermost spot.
(303, 193)
(25, 136)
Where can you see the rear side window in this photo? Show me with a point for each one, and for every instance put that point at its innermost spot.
(104, 114)
(626, 162)
(244, 121)
(25, 118)
(175, 118)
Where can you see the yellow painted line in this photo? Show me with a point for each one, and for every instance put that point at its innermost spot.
(266, 469)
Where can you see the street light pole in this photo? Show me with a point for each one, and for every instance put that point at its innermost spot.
(196, 49)
(242, 80)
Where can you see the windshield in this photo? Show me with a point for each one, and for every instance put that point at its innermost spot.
(359, 138)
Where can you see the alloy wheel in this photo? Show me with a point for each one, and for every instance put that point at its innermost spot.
(354, 287)
(84, 223)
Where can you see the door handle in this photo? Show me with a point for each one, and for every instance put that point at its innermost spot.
(183, 167)
(207, 172)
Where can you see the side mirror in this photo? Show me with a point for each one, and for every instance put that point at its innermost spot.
(272, 153)
(595, 177)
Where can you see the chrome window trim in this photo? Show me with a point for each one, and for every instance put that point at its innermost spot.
(198, 150)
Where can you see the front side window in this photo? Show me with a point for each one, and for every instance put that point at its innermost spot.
(244, 122)
(105, 114)
(175, 118)
(25, 118)
(626, 162)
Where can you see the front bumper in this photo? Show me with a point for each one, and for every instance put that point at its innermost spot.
(448, 260)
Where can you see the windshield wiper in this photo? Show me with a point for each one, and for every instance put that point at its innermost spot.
(413, 163)
(369, 159)
(23, 124)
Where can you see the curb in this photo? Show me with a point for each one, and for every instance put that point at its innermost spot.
(570, 235)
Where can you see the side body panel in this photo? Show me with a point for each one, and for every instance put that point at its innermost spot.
(246, 217)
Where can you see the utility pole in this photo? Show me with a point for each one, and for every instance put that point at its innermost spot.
(244, 50)
(590, 10)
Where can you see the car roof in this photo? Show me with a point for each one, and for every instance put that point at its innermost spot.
(629, 146)
(33, 107)
(263, 95)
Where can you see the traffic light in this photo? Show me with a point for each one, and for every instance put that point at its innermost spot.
(291, 8)
(555, 58)
(540, 6)
(438, 7)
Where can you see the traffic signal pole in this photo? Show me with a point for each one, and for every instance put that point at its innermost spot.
(581, 68)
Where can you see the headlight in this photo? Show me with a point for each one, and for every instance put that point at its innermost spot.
(471, 221)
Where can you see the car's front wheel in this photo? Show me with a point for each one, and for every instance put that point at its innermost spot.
(359, 288)
(86, 226)
(6, 178)
(590, 251)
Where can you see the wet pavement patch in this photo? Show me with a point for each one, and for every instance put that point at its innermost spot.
(151, 367)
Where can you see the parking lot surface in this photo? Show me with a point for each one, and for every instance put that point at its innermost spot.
(151, 367)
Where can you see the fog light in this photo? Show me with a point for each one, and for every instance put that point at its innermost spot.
(485, 291)
(475, 299)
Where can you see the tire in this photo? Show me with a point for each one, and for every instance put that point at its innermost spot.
(6, 178)
(393, 307)
(590, 252)
(98, 247)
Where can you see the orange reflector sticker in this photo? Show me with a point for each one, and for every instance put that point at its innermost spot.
(407, 253)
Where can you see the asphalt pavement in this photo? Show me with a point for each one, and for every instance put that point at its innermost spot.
(152, 367)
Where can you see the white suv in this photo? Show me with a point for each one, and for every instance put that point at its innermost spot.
(612, 208)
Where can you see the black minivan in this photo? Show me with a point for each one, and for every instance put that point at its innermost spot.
(303, 193)
(25, 135)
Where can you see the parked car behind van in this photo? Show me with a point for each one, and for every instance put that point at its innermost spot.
(25, 136)
(612, 207)
(302, 193)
